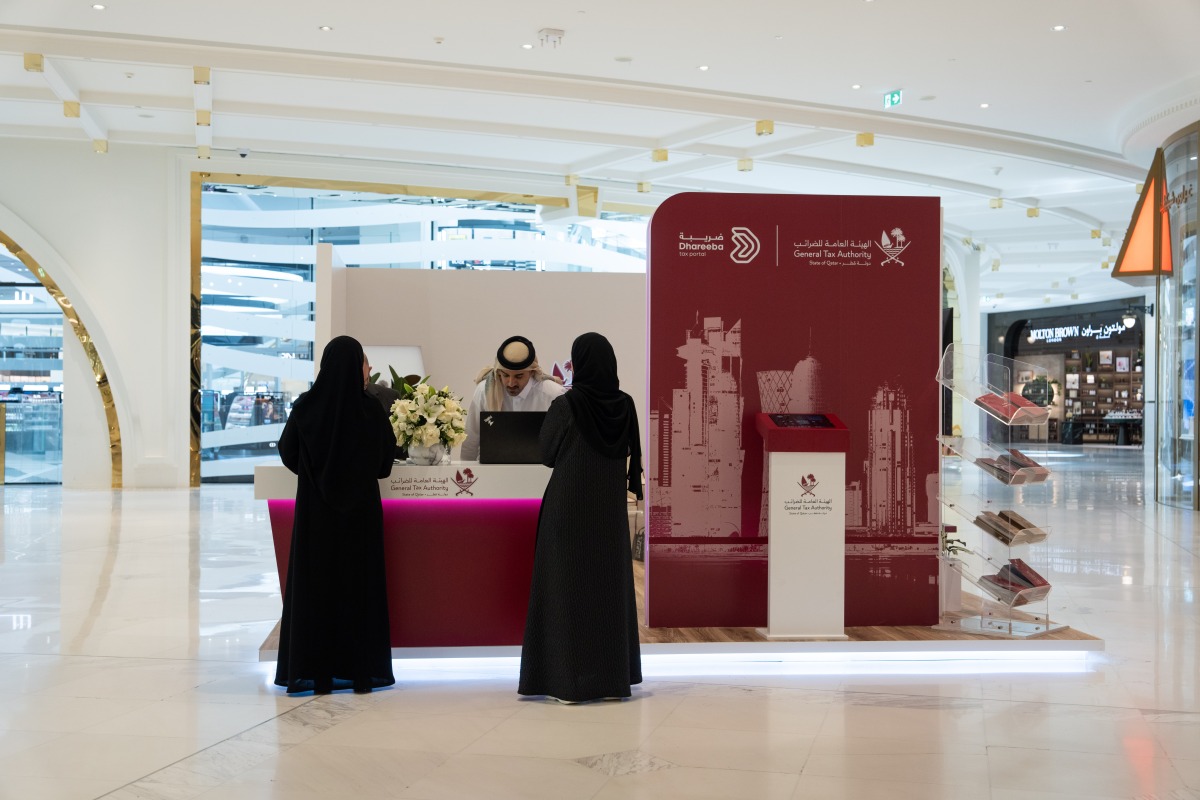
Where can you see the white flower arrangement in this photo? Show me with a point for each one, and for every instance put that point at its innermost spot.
(425, 416)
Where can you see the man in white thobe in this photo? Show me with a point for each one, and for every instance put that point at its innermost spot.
(514, 382)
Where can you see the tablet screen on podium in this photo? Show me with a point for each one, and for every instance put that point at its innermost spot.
(510, 437)
(801, 420)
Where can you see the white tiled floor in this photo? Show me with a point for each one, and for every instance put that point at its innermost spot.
(130, 625)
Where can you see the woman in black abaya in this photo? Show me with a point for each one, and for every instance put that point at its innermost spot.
(581, 632)
(334, 633)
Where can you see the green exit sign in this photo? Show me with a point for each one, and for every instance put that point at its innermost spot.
(892, 99)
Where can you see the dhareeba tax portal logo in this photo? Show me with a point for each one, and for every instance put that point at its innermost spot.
(742, 246)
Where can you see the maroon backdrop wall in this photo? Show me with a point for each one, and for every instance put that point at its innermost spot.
(791, 303)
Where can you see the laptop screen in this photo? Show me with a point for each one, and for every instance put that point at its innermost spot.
(510, 437)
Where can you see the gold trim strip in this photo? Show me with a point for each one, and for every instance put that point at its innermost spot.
(89, 349)
(385, 188)
(195, 199)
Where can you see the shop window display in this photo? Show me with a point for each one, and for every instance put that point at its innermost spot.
(31, 377)
(1175, 448)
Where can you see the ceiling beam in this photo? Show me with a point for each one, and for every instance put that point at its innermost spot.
(202, 105)
(791, 144)
(601, 160)
(69, 96)
(682, 168)
(743, 108)
(448, 124)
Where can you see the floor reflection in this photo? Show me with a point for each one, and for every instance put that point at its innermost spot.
(130, 624)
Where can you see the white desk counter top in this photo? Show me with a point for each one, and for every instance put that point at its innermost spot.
(462, 480)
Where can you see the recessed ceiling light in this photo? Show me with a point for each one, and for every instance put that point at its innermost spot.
(526, 47)
(1058, 28)
(856, 86)
(983, 105)
(778, 36)
(324, 28)
(99, 6)
(703, 68)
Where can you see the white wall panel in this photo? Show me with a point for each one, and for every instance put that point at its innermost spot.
(103, 223)
(460, 318)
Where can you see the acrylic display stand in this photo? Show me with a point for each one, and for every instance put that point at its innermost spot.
(994, 495)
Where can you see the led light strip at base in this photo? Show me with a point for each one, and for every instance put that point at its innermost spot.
(663, 665)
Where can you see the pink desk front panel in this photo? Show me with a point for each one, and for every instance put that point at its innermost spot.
(458, 571)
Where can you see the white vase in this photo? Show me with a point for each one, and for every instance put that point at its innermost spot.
(426, 456)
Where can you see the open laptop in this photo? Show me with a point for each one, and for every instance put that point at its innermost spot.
(510, 437)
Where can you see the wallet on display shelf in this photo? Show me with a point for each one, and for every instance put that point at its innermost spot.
(1013, 408)
(1005, 591)
(1032, 533)
(1020, 572)
(1003, 470)
(1034, 471)
(1016, 584)
(1010, 527)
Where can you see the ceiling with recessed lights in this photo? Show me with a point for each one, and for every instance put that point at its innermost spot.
(1033, 120)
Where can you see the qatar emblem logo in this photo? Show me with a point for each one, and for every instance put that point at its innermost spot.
(809, 484)
(892, 246)
(464, 481)
(745, 246)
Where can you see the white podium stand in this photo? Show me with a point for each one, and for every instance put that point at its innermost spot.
(805, 462)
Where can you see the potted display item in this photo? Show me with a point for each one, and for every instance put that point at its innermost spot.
(1039, 391)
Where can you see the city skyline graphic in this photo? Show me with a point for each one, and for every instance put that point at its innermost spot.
(697, 452)
(699, 440)
(815, 322)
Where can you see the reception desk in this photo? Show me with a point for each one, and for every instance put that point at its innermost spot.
(458, 542)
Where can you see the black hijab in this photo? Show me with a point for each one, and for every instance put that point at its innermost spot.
(339, 433)
(605, 415)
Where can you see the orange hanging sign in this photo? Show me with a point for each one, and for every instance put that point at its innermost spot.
(1146, 252)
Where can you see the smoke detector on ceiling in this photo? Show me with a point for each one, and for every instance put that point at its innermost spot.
(551, 37)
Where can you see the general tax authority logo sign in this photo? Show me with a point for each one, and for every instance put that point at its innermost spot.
(745, 246)
(464, 480)
(892, 246)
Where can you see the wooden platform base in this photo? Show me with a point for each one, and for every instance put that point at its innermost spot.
(904, 633)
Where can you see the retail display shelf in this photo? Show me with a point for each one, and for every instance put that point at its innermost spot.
(1002, 523)
(1009, 628)
(989, 555)
(1006, 464)
(986, 382)
(1003, 589)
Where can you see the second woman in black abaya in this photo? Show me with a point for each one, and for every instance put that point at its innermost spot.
(334, 632)
(581, 632)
